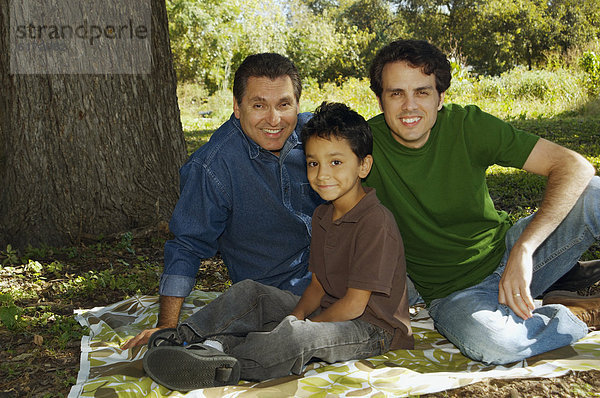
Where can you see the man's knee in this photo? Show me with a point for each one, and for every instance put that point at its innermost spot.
(589, 205)
(499, 347)
(484, 333)
(593, 189)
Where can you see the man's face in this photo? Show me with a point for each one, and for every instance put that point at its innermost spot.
(268, 111)
(410, 102)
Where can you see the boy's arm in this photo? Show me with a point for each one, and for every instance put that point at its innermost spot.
(351, 306)
(310, 300)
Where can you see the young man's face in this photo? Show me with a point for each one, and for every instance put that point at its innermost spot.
(410, 102)
(334, 171)
(268, 111)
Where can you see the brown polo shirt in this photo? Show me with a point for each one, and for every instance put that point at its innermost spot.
(363, 250)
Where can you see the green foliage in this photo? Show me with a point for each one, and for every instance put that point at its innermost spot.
(10, 255)
(63, 328)
(353, 92)
(126, 242)
(521, 93)
(590, 64)
(331, 41)
(10, 313)
(497, 35)
(209, 39)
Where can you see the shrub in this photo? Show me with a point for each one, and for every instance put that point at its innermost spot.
(590, 64)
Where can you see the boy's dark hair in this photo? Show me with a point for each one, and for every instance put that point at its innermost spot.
(333, 119)
(417, 53)
(271, 65)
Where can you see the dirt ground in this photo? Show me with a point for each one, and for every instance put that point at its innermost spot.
(34, 364)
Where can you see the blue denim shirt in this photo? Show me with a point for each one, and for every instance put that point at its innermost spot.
(253, 207)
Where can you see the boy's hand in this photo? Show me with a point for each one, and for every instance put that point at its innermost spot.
(297, 315)
(310, 300)
(351, 306)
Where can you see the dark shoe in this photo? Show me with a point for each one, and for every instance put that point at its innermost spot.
(584, 274)
(168, 336)
(586, 308)
(191, 367)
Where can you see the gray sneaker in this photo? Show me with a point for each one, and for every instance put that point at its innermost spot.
(190, 367)
(168, 336)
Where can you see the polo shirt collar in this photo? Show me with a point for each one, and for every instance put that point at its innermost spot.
(356, 213)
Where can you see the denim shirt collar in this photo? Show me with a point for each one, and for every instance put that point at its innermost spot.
(254, 149)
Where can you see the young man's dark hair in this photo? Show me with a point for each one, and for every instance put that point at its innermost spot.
(338, 120)
(417, 53)
(271, 65)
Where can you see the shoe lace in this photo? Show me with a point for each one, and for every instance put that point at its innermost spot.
(170, 340)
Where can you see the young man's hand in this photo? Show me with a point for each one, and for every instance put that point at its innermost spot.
(513, 289)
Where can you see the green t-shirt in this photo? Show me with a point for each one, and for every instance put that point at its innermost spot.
(453, 236)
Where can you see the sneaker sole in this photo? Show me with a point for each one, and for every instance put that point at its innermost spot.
(186, 368)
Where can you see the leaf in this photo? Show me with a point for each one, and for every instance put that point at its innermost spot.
(9, 316)
(38, 340)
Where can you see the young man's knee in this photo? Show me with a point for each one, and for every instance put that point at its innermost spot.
(589, 204)
(500, 350)
(593, 189)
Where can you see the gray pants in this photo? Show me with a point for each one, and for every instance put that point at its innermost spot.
(271, 343)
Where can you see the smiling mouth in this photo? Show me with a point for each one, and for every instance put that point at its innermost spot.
(272, 132)
(412, 120)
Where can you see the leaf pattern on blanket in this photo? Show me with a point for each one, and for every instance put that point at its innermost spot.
(434, 365)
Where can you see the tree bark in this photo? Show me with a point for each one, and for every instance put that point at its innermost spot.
(84, 154)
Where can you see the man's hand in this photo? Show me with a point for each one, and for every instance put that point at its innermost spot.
(514, 284)
(568, 174)
(170, 307)
(141, 339)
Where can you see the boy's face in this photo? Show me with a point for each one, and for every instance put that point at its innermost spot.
(334, 171)
(410, 103)
(268, 111)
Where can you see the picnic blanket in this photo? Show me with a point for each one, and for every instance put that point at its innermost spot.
(434, 365)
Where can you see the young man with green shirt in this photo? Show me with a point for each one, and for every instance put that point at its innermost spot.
(477, 273)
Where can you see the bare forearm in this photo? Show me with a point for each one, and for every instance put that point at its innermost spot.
(170, 308)
(563, 188)
(351, 306)
(310, 300)
(568, 175)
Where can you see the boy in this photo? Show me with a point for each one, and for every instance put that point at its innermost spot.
(355, 306)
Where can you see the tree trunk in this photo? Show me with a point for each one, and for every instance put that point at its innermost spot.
(87, 154)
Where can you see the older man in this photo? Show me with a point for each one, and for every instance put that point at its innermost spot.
(245, 193)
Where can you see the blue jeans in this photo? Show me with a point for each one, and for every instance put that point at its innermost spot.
(271, 343)
(490, 332)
